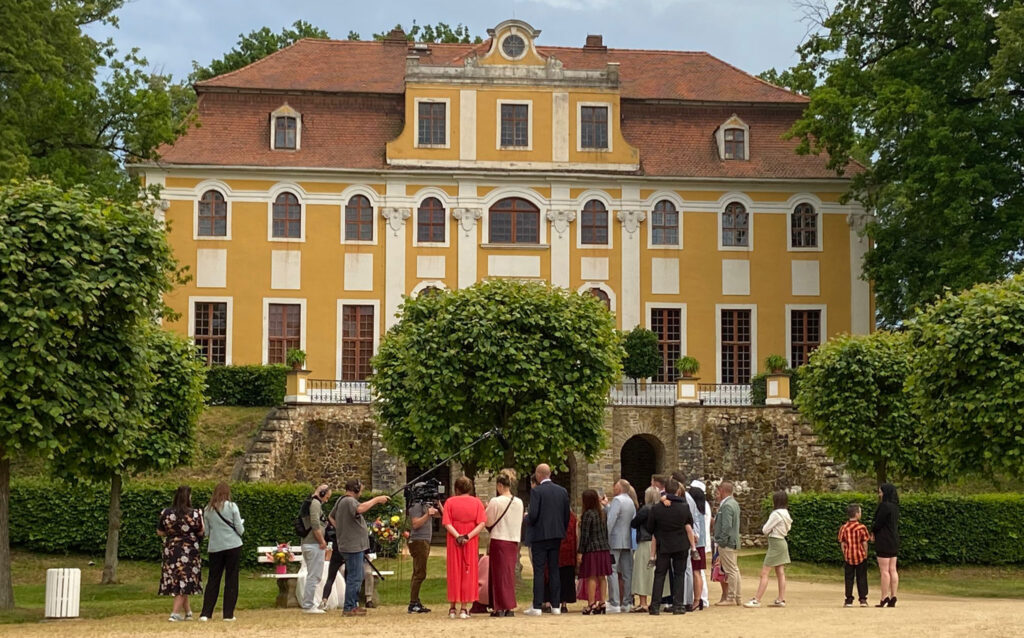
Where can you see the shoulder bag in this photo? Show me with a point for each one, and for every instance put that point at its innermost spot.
(228, 523)
(507, 507)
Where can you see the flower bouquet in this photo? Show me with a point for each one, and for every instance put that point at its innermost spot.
(280, 557)
(387, 532)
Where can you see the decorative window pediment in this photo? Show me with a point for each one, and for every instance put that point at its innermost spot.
(285, 129)
(733, 139)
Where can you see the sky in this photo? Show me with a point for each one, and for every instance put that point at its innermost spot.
(753, 35)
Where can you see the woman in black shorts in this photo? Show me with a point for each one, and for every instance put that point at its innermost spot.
(886, 529)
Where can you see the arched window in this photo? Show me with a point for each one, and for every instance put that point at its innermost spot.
(594, 223)
(735, 225)
(213, 215)
(287, 217)
(665, 224)
(428, 291)
(430, 221)
(603, 296)
(358, 219)
(514, 220)
(804, 227)
(734, 144)
(285, 132)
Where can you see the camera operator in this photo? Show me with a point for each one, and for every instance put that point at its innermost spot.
(420, 514)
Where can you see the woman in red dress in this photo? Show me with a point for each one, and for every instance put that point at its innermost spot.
(464, 519)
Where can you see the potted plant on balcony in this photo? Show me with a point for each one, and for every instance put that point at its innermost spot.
(775, 363)
(687, 367)
(295, 358)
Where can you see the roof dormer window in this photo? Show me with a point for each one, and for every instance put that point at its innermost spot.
(285, 129)
(734, 144)
(733, 139)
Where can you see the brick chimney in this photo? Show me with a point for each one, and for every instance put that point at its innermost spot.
(396, 36)
(595, 43)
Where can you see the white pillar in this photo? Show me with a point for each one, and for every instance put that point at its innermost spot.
(394, 260)
(860, 292)
(561, 224)
(467, 218)
(630, 295)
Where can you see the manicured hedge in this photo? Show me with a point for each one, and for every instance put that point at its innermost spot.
(55, 518)
(246, 385)
(983, 529)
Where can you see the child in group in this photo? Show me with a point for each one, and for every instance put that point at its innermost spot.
(854, 537)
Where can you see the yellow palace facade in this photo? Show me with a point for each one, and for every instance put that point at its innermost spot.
(331, 179)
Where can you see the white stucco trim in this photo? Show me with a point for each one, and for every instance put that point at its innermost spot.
(788, 337)
(604, 287)
(542, 204)
(649, 203)
(748, 203)
(579, 127)
(754, 363)
(529, 127)
(229, 328)
(581, 201)
(445, 199)
(447, 121)
(376, 328)
(791, 204)
(427, 283)
(375, 203)
(301, 302)
(285, 111)
(272, 195)
(197, 193)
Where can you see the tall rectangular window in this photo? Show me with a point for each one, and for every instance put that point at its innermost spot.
(734, 144)
(285, 132)
(284, 331)
(515, 124)
(804, 335)
(356, 342)
(432, 124)
(735, 340)
(211, 331)
(594, 127)
(667, 324)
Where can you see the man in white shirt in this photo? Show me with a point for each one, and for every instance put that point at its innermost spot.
(620, 513)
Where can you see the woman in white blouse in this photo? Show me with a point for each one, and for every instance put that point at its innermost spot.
(504, 523)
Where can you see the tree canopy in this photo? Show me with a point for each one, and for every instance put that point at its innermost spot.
(966, 376)
(59, 118)
(643, 359)
(535, 362)
(932, 92)
(254, 46)
(440, 32)
(851, 390)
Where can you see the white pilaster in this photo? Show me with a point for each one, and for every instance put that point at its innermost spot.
(860, 292)
(631, 217)
(394, 260)
(467, 214)
(561, 215)
(560, 127)
(467, 125)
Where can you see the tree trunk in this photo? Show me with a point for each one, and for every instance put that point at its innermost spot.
(881, 471)
(6, 586)
(113, 532)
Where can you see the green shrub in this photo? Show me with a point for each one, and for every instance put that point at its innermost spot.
(246, 385)
(983, 529)
(759, 386)
(56, 518)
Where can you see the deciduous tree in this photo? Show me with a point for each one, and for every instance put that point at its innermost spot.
(643, 358)
(257, 45)
(440, 32)
(532, 361)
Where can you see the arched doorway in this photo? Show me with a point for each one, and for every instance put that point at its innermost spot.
(642, 455)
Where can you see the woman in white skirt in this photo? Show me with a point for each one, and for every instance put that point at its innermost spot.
(776, 528)
(643, 571)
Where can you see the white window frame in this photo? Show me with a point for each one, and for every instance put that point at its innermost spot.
(301, 302)
(748, 203)
(285, 111)
(791, 204)
(338, 336)
(754, 363)
(444, 199)
(581, 201)
(579, 127)
(423, 285)
(603, 287)
(529, 195)
(230, 301)
(200, 189)
(650, 203)
(651, 305)
(375, 204)
(529, 126)
(300, 195)
(788, 337)
(734, 121)
(447, 121)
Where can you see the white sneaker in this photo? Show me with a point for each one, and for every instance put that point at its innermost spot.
(232, 619)
(752, 603)
(176, 618)
(314, 610)
(611, 609)
(779, 603)
(463, 615)
(203, 619)
(556, 610)
(533, 611)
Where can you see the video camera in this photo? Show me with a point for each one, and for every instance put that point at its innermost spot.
(427, 492)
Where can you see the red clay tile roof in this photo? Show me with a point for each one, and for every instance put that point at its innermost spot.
(340, 66)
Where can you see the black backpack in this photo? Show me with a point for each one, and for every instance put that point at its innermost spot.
(300, 525)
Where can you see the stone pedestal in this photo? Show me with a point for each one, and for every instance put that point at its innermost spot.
(295, 387)
(686, 391)
(777, 390)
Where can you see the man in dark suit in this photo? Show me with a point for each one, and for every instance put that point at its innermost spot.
(547, 523)
(672, 526)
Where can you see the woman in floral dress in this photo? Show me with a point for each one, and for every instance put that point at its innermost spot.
(181, 525)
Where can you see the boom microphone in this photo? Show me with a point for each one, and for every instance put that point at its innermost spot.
(502, 441)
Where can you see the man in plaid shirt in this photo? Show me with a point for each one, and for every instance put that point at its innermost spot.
(853, 538)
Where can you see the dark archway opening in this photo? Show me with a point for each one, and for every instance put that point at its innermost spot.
(641, 457)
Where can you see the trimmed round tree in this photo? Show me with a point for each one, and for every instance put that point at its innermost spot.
(967, 373)
(535, 362)
(643, 359)
(852, 391)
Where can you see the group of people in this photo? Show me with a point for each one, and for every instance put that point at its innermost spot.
(616, 556)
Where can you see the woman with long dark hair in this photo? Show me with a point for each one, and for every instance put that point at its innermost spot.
(700, 563)
(594, 553)
(886, 529)
(181, 573)
(504, 523)
(225, 526)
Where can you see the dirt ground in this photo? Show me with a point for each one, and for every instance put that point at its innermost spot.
(813, 610)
